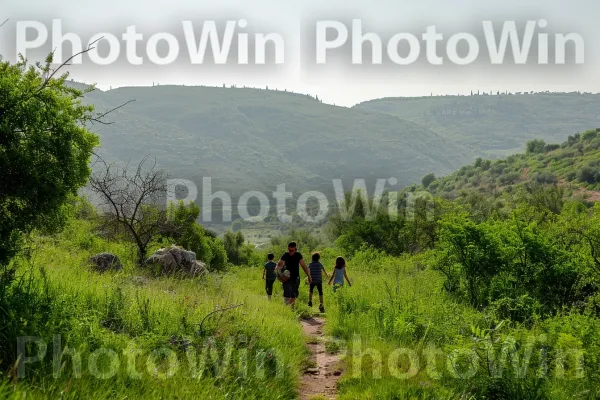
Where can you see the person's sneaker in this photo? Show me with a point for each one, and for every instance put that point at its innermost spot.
(321, 308)
(310, 303)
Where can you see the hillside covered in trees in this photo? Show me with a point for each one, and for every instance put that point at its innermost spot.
(573, 166)
(253, 139)
(496, 124)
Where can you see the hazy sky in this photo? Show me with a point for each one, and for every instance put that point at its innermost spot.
(340, 83)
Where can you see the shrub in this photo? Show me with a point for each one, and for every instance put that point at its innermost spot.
(551, 147)
(545, 177)
(535, 146)
(588, 174)
(509, 178)
(427, 180)
(589, 135)
(183, 229)
(238, 251)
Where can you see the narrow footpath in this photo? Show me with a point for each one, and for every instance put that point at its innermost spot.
(319, 381)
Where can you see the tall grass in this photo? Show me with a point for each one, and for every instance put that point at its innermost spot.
(406, 339)
(396, 313)
(255, 350)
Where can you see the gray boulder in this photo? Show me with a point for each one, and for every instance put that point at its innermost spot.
(105, 262)
(175, 259)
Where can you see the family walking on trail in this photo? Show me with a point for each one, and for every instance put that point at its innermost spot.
(287, 270)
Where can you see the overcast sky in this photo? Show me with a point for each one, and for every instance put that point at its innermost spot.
(339, 83)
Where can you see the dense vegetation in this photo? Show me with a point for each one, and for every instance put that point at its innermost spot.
(573, 165)
(145, 320)
(251, 139)
(494, 302)
(516, 293)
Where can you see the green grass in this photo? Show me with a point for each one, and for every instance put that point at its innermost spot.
(396, 303)
(129, 309)
(396, 307)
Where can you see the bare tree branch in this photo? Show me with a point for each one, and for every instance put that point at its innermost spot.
(99, 117)
(67, 62)
(4, 23)
(131, 200)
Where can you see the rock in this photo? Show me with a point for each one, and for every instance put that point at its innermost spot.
(105, 262)
(175, 259)
(313, 371)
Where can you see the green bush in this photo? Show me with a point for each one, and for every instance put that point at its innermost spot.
(535, 146)
(589, 174)
(183, 229)
(545, 177)
(427, 180)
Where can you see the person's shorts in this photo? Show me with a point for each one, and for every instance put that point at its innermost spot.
(319, 287)
(291, 288)
(269, 287)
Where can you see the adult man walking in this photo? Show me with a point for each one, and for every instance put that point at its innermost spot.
(292, 261)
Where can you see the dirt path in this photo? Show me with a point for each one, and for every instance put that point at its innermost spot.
(320, 381)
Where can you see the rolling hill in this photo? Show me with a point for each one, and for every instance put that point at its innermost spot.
(250, 139)
(496, 125)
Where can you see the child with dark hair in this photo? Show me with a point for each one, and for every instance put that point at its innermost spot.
(316, 270)
(339, 273)
(269, 274)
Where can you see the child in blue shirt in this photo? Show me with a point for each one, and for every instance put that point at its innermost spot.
(339, 273)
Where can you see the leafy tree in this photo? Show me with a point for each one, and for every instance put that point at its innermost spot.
(475, 250)
(427, 180)
(45, 149)
(237, 250)
(535, 146)
(182, 228)
(237, 225)
(545, 177)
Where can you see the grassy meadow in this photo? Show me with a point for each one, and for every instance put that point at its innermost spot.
(406, 339)
(133, 314)
(399, 333)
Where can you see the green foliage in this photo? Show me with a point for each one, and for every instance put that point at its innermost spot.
(522, 259)
(135, 315)
(589, 174)
(535, 146)
(427, 180)
(545, 177)
(572, 165)
(183, 229)
(238, 251)
(44, 149)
